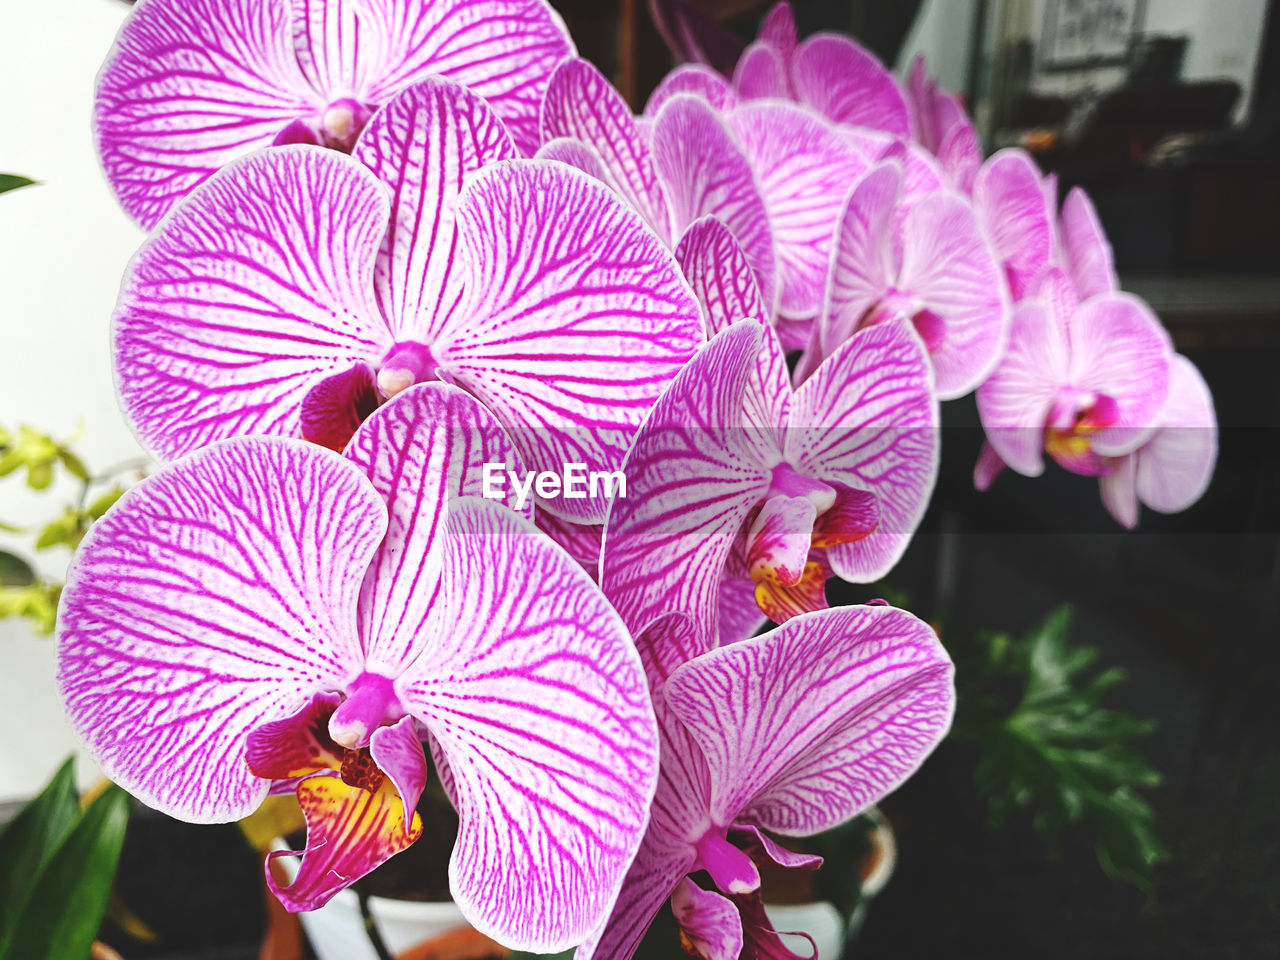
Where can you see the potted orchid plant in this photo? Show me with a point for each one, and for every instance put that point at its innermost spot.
(508, 440)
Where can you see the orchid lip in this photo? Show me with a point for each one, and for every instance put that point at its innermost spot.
(342, 122)
(786, 480)
(407, 363)
(730, 868)
(371, 702)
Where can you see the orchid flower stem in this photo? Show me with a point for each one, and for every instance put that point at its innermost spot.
(371, 925)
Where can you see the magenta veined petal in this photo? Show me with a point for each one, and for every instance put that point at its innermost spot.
(575, 320)
(695, 78)
(722, 279)
(1120, 350)
(215, 596)
(582, 105)
(704, 172)
(188, 87)
(576, 154)
(423, 145)
(1171, 471)
(193, 84)
(502, 50)
(868, 419)
(848, 85)
(1018, 216)
(804, 168)
(255, 290)
(1085, 247)
(1015, 400)
(950, 268)
(761, 74)
(864, 264)
(693, 476)
(422, 449)
(808, 725)
(542, 714)
(710, 921)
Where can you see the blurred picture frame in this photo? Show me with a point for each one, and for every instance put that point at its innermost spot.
(1089, 33)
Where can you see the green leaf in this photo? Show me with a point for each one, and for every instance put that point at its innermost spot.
(65, 531)
(31, 837)
(104, 502)
(14, 571)
(37, 602)
(69, 897)
(11, 181)
(1058, 752)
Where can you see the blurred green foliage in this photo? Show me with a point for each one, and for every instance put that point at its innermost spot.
(57, 869)
(39, 458)
(1053, 749)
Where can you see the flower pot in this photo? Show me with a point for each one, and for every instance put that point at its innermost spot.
(336, 930)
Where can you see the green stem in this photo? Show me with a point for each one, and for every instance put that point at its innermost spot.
(371, 925)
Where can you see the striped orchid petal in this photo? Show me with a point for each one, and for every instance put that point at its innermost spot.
(218, 595)
(421, 451)
(868, 419)
(1084, 247)
(808, 725)
(710, 923)
(675, 165)
(697, 79)
(582, 105)
(827, 72)
(541, 711)
(423, 145)
(1017, 214)
(1171, 471)
(576, 317)
(725, 285)
(193, 84)
(804, 168)
(705, 173)
(693, 476)
(848, 85)
(955, 280)
(255, 292)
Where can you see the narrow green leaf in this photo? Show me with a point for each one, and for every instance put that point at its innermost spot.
(31, 837)
(68, 899)
(11, 181)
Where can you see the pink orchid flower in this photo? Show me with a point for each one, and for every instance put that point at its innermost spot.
(193, 84)
(267, 616)
(686, 163)
(300, 287)
(1144, 424)
(931, 263)
(793, 733)
(738, 483)
(1083, 380)
(803, 166)
(941, 125)
(828, 73)
(1171, 471)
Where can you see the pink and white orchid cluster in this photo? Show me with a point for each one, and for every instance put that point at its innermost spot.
(396, 244)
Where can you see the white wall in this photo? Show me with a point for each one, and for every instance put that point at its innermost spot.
(63, 247)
